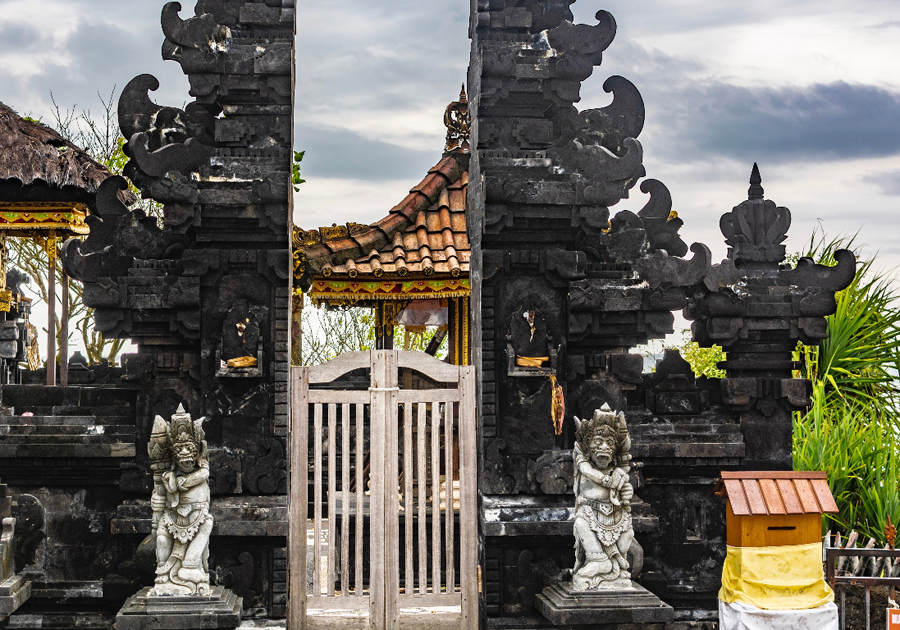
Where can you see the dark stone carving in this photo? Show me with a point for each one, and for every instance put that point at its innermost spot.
(553, 472)
(29, 515)
(266, 473)
(201, 32)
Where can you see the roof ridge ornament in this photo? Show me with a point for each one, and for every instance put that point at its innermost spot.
(456, 119)
(756, 190)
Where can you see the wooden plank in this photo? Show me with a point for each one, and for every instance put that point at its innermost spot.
(339, 396)
(774, 504)
(299, 470)
(392, 504)
(345, 500)
(789, 496)
(332, 490)
(754, 496)
(421, 461)
(338, 366)
(427, 395)
(435, 498)
(409, 572)
(449, 544)
(377, 490)
(772, 474)
(323, 602)
(360, 497)
(430, 600)
(738, 500)
(317, 501)
(824, 496)
(468, 518)
(429, 366)
(807, 496)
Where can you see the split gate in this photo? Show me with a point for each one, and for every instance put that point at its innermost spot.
(387, 530)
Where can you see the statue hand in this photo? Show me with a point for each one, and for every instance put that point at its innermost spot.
(626, 493)
(591, 473)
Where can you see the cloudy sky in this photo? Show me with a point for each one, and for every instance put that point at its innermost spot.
(810, 89)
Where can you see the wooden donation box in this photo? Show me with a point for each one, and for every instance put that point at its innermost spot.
(774, 535)
(774, 508)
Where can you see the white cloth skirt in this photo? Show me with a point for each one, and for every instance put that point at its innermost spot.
(738, 616)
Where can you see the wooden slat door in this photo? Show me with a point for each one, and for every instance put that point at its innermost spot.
(421, 539)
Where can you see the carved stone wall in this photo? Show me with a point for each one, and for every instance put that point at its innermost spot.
(209, 280)
(560, 277)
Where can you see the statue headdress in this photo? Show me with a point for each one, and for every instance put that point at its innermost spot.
(608, 423)
(183, 429)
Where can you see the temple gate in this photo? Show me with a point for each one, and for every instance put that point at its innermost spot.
(395, 533)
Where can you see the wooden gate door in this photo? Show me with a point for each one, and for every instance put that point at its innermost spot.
(386, 478)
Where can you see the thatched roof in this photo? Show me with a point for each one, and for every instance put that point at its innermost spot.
(37, 156)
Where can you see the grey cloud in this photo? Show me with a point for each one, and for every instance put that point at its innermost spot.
(824, 121)
(691, 117)
(888, 182)
(111, 45)
(335, 152)
(21, 38)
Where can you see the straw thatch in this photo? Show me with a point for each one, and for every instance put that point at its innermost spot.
(33, 153)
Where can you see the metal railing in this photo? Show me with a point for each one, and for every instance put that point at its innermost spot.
(880, 556)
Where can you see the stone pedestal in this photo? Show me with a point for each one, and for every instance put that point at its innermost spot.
(564, 606)
(13, 593)
(221, 609)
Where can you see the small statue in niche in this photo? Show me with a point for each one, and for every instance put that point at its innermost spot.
(182, 523)
(603, 529)
(240, 335)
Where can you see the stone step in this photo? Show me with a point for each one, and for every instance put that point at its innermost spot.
(67, 429)
(119, 449)
(99, 438)
(29, 397)
(684, 428)
(37, 420)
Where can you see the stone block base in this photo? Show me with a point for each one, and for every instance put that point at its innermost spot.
(221, 609)
(562, 605)
(13, 593)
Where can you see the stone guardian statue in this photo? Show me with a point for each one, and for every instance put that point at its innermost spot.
(603, 530)
(181, 520)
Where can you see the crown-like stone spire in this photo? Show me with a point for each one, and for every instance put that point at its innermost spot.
(456, 119)
(756, 189)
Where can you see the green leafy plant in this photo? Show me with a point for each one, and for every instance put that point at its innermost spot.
(703, 361)
(851, 428)
(296, 180)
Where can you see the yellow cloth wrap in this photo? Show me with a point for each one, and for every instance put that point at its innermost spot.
(788, 577)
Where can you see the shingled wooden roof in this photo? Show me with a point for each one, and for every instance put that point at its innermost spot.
(423, 235)
(760, 493)
(31, 151)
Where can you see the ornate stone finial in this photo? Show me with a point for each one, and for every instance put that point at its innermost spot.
(755, 229)
(756, 189)
(456, 118)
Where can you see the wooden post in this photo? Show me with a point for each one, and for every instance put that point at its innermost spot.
(51, 311)
(297, 525)
(64, 336)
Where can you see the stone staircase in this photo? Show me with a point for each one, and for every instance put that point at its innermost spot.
(56, 430)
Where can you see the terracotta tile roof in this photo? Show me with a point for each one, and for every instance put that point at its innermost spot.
(425, 234)
(754, 493)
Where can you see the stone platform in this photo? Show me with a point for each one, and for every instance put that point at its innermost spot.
(562, 605)
(13, 593)
(221, 609)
